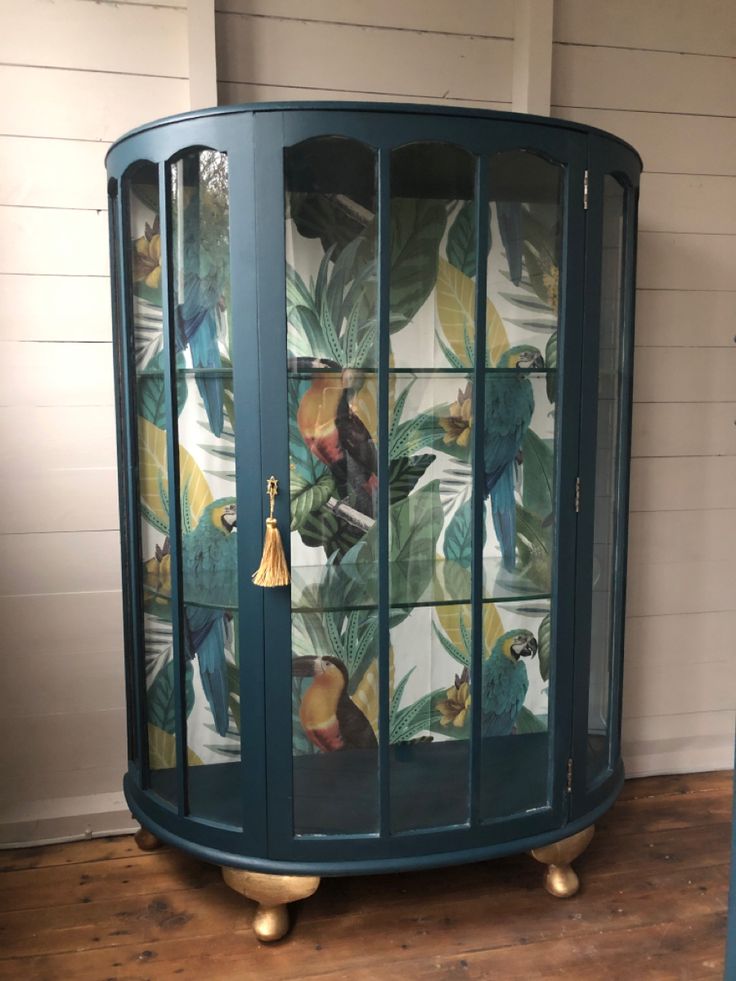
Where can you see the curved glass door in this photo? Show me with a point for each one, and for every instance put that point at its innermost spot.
(422, 302)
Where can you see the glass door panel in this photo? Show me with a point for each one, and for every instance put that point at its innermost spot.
(331, 301)
(608, 438)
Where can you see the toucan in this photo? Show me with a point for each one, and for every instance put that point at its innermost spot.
(329, 717)
(334, 432)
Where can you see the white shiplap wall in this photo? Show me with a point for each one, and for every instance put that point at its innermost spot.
(663, 77)
(75, 75)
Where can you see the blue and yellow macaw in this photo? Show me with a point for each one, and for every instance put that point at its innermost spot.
(508, 411)
(197, 317)
(505, 681)
(211, 548)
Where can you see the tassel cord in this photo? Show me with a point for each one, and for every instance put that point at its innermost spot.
(273, 570)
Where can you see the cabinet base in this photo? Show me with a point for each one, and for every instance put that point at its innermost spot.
(560, 878)
(273, 893)
(146, 841)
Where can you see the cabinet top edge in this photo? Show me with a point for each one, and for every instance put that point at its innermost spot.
(407, 108)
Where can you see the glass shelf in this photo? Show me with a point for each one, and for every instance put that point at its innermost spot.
(190, 373)
(308, 373)
(355, 587)
(211, 590)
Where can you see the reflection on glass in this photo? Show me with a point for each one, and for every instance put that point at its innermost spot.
(430, 716)
(142, 203)
(208, 514)
(331, 302)
(433, 256)
(517, 668)
(607, 457)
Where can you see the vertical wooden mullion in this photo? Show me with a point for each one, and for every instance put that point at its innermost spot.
(478, 508)
(248, 362)
(384, 345)
(172, 456)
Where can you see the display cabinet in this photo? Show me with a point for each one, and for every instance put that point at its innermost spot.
(419, 323)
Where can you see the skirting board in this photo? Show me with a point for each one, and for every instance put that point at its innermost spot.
(46, 822)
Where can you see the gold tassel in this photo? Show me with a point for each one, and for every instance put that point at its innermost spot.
(273, 570)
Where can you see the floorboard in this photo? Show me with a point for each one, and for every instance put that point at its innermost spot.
(652, 906)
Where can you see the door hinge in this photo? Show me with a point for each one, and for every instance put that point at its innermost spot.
(577, 495)
(586, 183)
(569, 776)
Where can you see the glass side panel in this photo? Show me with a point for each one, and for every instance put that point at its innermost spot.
(331, 244)
(200, 257)
(519, 450)
(141, 190)
(433, 246)
(607, 461)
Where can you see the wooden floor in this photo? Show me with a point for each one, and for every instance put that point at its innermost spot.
(652, 905)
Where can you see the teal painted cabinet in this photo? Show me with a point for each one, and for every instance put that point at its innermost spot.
(420, 321)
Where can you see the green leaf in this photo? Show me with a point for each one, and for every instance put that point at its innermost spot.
(307, 497)
(458, 544)
(461, 243)
(462, 657)
(418, 717)
(404, 472)
(417, 227)
(538, 467)
(152, 393)
(526, 722)
(162, 698)
(415, 434)
(399, 691)
(545, 646)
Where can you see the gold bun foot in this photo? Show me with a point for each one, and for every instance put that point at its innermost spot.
(560, 879)
(272, 893)
(146, 841)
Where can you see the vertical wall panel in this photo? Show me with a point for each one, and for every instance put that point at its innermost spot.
(662, 76)
(80, 75)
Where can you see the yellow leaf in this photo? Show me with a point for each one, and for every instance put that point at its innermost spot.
(454, 619)
(152, 474)
(497, 340)
(365, 695)
(162, 750)
(492, 627)
(456, 311)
